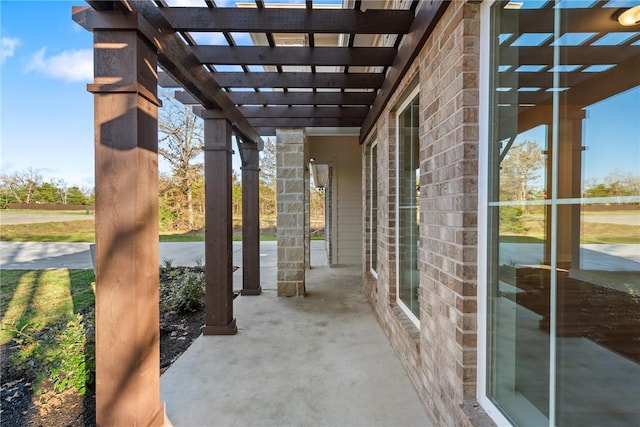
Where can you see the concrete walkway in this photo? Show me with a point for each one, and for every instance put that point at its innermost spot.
(36, 255)
(321, 360)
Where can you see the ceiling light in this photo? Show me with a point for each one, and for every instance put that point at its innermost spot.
(630, 17)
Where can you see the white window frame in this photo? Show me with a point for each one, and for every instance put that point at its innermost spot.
(372, 241)
(410, 97)
(484, 80)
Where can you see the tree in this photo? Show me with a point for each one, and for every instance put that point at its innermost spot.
(267, 200)
(519, 170)
(268, 163)
(236, 195)
(75, 196)
(47, 193)
(181, 142)
(620, 183)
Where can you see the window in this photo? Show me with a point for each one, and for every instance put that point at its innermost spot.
(407, 213)
(563, 216)
(373, 209)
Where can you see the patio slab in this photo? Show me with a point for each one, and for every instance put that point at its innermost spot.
(321, 360)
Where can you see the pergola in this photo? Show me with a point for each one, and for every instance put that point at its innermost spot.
(337, 67)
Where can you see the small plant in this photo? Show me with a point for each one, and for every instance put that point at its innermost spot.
(183, 292)
(199, 261)
(63, 353)
(167, 263)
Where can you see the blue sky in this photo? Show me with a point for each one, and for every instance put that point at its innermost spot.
(46, 112)
(610, 133)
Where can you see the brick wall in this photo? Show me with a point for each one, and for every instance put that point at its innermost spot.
(440, 355)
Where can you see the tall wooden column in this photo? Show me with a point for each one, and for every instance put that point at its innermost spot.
(218, 225)
(250, 221)
(126, 178)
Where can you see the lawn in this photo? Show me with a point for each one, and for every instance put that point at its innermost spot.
(64, 231)
(33, 299)
(533, 231)
(84, 231)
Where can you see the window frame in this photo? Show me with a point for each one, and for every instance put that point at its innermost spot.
(484, 82)
(373, 227)
(408, 98)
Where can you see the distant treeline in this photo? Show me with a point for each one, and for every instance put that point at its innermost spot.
(30, 188)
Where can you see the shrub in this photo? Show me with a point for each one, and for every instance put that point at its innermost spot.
(511, 219)
(183, 291)
(63, 353)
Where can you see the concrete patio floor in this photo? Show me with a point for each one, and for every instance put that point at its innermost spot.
(321, 360)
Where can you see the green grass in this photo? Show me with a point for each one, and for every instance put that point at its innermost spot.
(590, 232)
(65, 231)
(33, 299)
(82, 231)
(520, 239)
(181, 238)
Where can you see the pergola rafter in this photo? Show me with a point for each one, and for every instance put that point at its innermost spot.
(285, 20)
(296, 67)
(298, 56)
(290, 80)
(290, 98)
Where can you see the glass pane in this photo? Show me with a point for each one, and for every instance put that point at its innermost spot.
(598, 318)
(519, 293)
(564, 215)
(523, 166)
(611, 155)
(374, 208)
(408, 235)
(598, 237)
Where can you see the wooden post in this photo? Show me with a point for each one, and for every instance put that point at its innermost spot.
(250, 221)
(127, 283)
(218, 226)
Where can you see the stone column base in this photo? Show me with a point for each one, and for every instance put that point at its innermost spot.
(291, 289)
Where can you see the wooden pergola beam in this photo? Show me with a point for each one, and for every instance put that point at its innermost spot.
(289, 80)
(573, 55)
(290, 98)
(179, 62)
(372, 21)
(307, 122)
(302, 112)
(300, 80)
(295, 55)
(426, 19)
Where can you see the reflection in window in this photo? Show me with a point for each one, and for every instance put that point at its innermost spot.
(407, 209)
(564, 217)
(373, 204)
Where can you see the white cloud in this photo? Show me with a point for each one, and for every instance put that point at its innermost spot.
(69, 65)
(9, 46)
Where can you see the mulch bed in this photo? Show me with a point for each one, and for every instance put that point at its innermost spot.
(19, 408)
